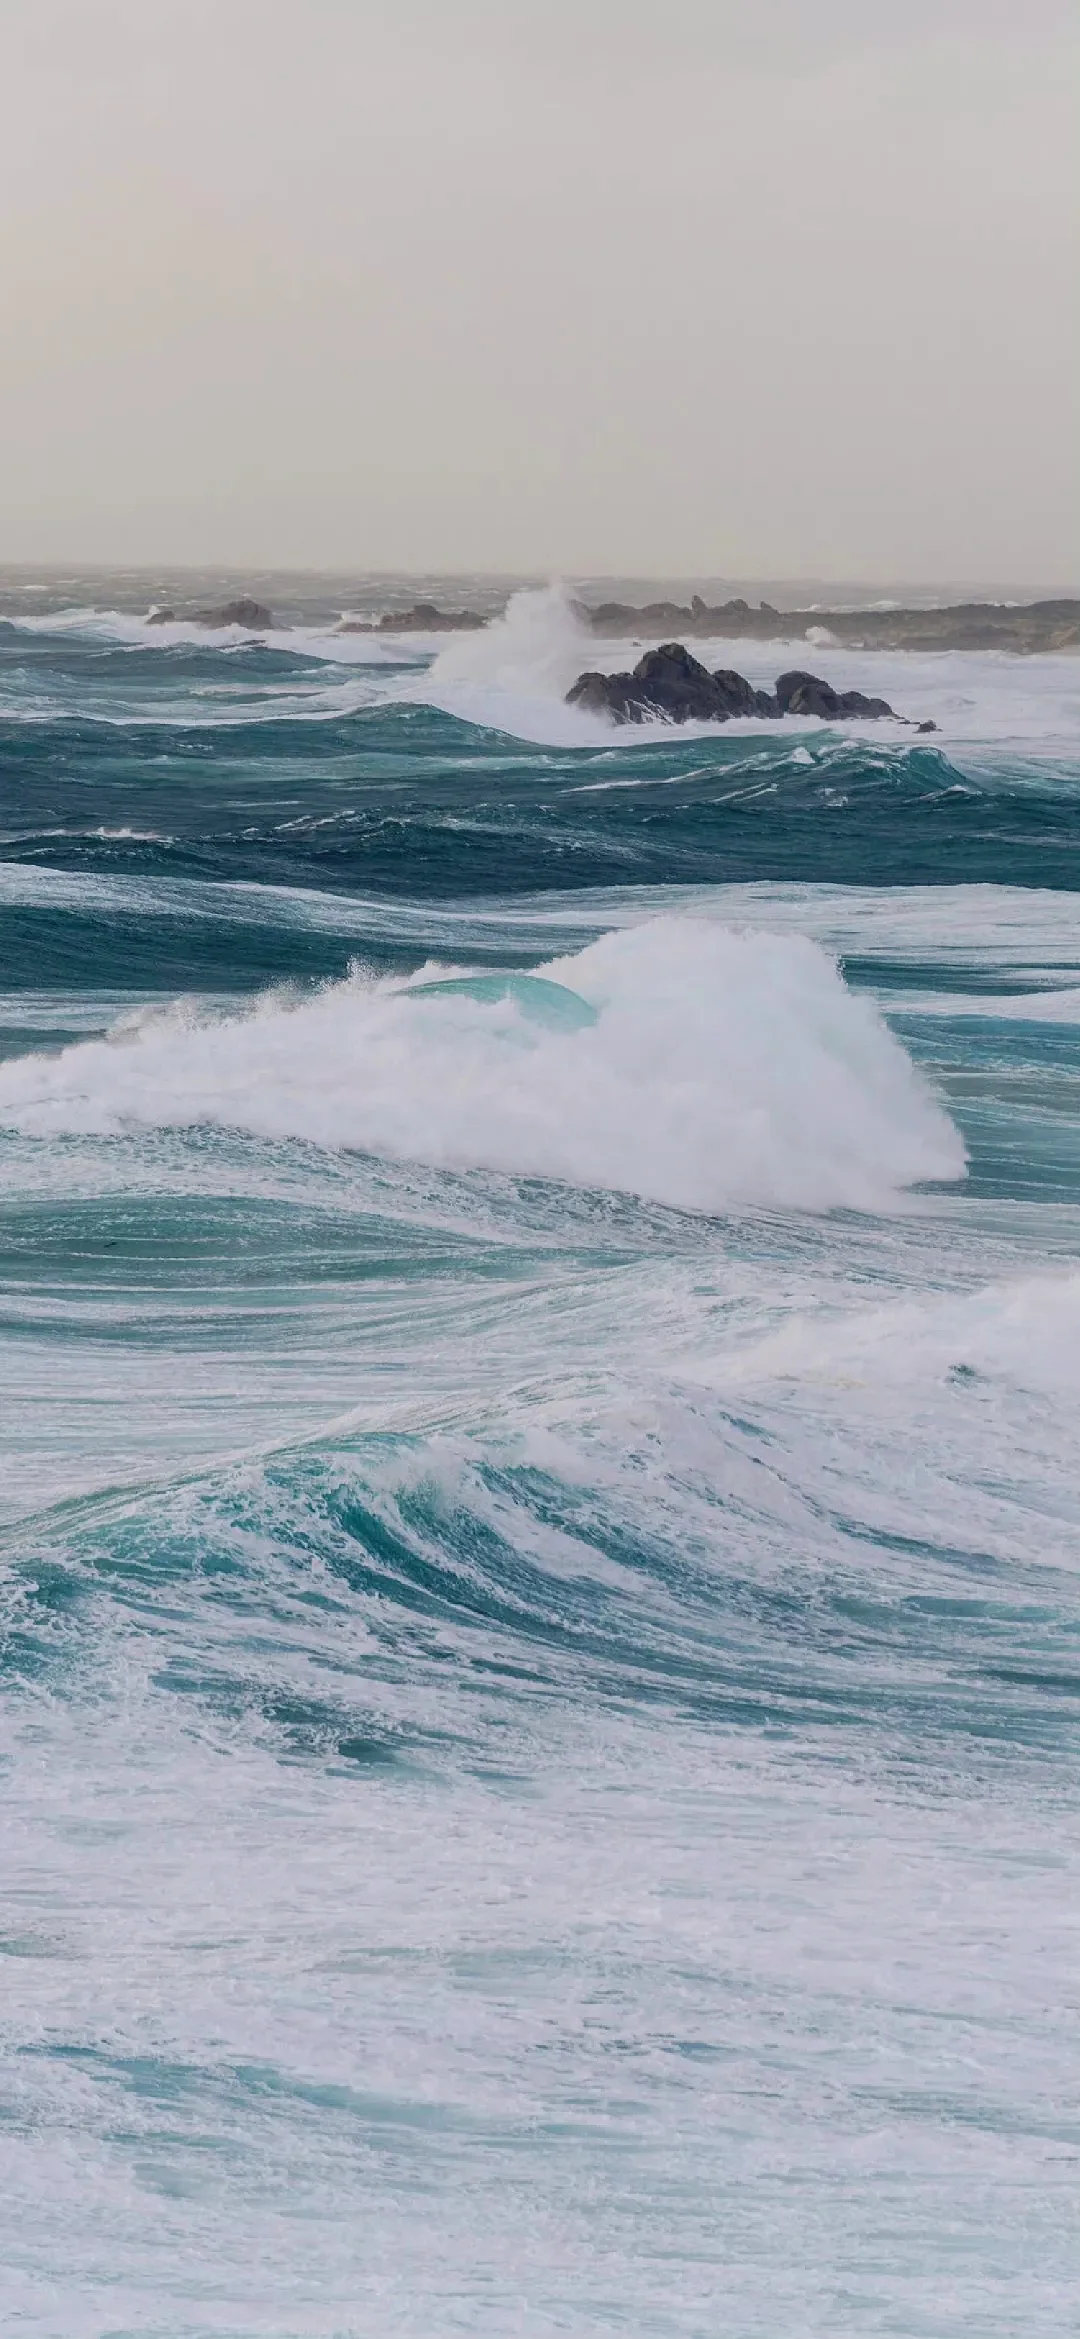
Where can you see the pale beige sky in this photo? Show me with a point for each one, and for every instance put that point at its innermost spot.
(733, 286)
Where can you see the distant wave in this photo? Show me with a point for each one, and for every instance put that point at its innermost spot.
(129, 631)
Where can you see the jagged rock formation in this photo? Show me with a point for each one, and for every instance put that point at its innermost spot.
(807, 694)
(971, 625)
(669, 682)
(423, 617)
(253, 614)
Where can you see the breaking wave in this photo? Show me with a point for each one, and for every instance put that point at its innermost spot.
(722, 1069)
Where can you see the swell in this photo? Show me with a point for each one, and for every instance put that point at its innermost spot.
(407, 801)
(399, 1600)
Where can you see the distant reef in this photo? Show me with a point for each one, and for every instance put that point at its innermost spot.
(423, 617)
(253, 614)
(672, 683)
(970, 625)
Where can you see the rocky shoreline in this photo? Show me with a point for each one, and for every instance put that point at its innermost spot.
(970, 625)
(423, 617)
(254, 614)
(1021, 628)
(671, 684)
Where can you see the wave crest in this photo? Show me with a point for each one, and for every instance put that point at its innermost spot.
(723, 1069)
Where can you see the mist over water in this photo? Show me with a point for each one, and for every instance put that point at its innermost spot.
(538, 1382)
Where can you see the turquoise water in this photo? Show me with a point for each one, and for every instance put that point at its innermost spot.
(532, 997)
(539, 1367)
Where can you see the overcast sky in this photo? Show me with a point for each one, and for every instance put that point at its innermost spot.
(755, 287)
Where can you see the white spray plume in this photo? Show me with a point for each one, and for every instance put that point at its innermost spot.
(724, 1069)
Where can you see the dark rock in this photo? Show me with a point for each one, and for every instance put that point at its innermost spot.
(241, 612)
(668, 682)
(926, 726)
(611, 614)
(970, 625)
(740, 696)
(423, 617)
(730, 617)
(807, 694)
(672, 683)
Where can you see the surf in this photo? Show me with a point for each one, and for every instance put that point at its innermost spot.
(679, 1060)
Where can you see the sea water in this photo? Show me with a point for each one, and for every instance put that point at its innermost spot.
(540, 1491)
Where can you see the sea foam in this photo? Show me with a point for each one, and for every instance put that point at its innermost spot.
(723, 1069)
(514, 675)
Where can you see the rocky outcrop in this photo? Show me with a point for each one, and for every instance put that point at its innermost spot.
(671, 683)
(423, 617)
(253, 614)
(807, 694)
(968, 625)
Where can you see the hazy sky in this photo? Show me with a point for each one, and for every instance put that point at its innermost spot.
(754, 287)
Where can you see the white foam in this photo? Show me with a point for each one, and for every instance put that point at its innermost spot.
(132, 631)
(1019, 931)
(1057, 1005)
(1024, 1332)
(723, 1069)
(332, 675)
(515, 674)
(1025, 929)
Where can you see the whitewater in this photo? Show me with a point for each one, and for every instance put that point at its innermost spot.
(540, 1520)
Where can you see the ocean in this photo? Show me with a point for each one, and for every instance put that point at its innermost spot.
(540, 1497)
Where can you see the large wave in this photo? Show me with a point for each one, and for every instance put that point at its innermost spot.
(723, 1069)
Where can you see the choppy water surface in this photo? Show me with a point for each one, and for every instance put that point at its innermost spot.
(539, 1361)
